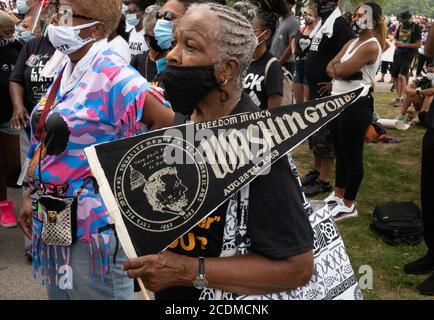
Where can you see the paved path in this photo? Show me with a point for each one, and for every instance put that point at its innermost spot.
(16, 280)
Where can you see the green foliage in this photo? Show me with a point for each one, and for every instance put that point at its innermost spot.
(393, 7)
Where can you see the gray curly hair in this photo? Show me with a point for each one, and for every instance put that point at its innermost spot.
(234, 36)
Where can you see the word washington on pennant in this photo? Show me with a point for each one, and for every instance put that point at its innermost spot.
(159, 185)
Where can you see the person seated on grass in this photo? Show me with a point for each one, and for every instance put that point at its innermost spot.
(420, 98)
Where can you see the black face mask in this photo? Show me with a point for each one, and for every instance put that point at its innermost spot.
(153, 44)
(325, 8)
(185, 87)
(356, 28)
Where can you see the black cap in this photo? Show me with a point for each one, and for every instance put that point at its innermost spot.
(406, 15)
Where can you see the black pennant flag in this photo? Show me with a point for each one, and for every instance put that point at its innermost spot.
(159, 185)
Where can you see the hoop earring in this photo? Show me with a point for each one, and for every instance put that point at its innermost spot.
(225, 83)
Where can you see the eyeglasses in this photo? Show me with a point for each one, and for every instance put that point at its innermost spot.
(165, 15)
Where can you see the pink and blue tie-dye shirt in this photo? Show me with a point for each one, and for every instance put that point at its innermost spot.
(107, 104)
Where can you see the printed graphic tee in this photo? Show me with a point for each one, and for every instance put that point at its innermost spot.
(275, 203)
(27, 72)
(257, 87)
(408, 34)
(136, 42)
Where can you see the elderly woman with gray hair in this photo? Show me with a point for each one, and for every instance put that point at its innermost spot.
(95, 97)
(213, 48)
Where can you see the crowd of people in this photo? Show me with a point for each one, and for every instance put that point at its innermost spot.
(74, 73)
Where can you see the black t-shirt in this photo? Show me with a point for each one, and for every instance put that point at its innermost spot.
(302, 45)
(322, 51)
(259, 88)
(146, 67)
(408, 34)
(8, 57)
(278, 225)
(30, 63)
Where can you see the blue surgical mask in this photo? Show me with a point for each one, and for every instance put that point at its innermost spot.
(26, 36)
(161, 65)
(163, 33)
(22, 6)
(132, 19)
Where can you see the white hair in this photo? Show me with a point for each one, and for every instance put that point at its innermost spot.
(234, 35)
(150, 17)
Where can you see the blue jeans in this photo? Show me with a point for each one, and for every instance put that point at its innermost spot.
(116, 286)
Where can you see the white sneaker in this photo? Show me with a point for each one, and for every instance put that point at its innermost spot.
(332, 200)
(341, 211)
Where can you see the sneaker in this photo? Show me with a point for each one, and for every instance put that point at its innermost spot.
(7, 218)
(309, 178)
(332, 200)
(426, 288)
(317, 187)
(420, 266)
(341, 211)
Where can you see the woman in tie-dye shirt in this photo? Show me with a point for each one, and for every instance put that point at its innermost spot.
(100, 98)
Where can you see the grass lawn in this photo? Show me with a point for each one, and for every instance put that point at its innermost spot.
(392, 173)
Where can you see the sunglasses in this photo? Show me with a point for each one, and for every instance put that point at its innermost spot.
(168, 15)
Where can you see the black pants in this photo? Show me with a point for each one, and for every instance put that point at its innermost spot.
(427, 188)
(385, 66)
(349, 138)
(421, 60)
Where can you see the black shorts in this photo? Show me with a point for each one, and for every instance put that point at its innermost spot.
(401, 66)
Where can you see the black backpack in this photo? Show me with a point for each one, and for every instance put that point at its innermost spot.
(398, 223)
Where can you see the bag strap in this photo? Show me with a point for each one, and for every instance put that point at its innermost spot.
(48, 106)
(267, 68)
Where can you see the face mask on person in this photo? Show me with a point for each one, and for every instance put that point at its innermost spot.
(67, 39)
(153, 44)
(257, 38)
(163, 33)
(22, 6)
(132, 19)
(26, 36)
(161, 65)
(358, 26)
(185, 87)
(325, 8)
(309, 19)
